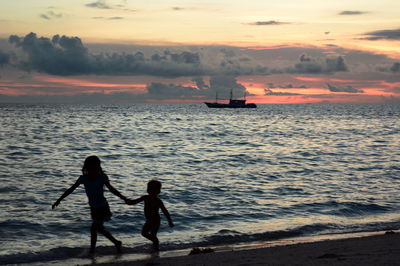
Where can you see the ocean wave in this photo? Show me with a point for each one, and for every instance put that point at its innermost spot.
(335, 208)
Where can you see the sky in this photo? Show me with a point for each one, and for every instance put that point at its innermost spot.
(286, 51)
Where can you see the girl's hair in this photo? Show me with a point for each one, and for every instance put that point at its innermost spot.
(91, 162)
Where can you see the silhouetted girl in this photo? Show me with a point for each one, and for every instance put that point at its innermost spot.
(94, 179)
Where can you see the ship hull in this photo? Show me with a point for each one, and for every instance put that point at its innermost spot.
(228, 105)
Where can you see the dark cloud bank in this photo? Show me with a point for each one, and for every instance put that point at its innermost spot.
(155, 91)
(222, 84)
(309, 65)
(4, 58)
(62, 55)
(67, 56)
(394, 68)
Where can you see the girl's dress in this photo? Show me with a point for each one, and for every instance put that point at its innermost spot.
(99, 209)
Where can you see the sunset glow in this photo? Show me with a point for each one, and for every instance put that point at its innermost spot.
(187, 51)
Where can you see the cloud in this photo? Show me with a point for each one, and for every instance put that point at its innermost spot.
(395, 67)
(349, 12)
(109, 18)
(279, 93)
(200, 83)
(99, 4)
(268, 23)
(228, 52)
(184, 57)
(382, 35)
(171, 91)
(348, 89)
(287, 86)
(269, 86)
(50, 15)
(154, 91)
(59, 56)
(68, 56)
(310, 65)
(220, 84)
(226, 83)
(77, 98)
(65, 55)
(232, 64)
(5, 58)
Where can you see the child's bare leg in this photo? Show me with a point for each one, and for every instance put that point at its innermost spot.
(156, 243)
(153, 239)
(148, 233)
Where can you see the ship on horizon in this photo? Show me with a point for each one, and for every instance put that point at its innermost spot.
(233, 103)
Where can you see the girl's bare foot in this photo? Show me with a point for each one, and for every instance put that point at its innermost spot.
(118, 246)
(156, 247)
(91, 251)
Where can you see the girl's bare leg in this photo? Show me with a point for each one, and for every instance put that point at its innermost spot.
(107, 234)
(93, 236)
(98, 227)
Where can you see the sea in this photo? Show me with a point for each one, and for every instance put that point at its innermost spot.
(229, 176)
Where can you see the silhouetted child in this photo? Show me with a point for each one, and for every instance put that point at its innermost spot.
(94, 179)
(152, 206)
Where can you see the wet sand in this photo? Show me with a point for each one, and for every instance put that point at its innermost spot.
(381, 249)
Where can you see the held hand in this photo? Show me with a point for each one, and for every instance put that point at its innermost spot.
(128, 201)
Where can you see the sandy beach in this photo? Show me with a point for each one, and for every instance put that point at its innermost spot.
(379, 249)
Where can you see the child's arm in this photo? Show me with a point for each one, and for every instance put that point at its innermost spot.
(65, 194)
(135, 201)
(166, 213)
(115, 191)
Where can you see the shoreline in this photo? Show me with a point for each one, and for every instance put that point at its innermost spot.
(377, 248)
(363, 248)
